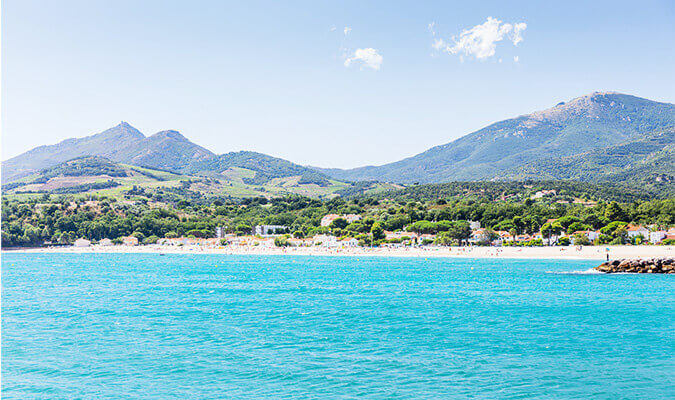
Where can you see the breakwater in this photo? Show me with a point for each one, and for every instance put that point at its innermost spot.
(662, 265)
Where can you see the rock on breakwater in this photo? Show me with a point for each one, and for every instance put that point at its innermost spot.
(639, 266)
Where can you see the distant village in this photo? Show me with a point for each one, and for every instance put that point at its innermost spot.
(270, 236)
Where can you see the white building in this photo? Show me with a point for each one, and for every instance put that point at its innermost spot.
(324, 240)
(399, 235)
(82, 243)
(351, 242)
(268, 230)
(655, 237)
(634, 231)
(543, 193)
(105, 242)
(130, 241)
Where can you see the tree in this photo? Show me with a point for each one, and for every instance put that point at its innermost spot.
(577, 226)
(377, 231)
(581, 239)
(460, 231)
(243, 228)
(152, 239)
(138, 235)
(281, 241)
(339, 223)
(614, 212)
(513, 232)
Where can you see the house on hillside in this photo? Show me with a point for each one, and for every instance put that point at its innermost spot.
(543, 193)
(105, 242)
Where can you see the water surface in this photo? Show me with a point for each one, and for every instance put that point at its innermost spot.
(212, 326)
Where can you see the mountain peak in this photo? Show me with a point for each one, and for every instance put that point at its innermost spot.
(591, 105)
(170, 134)
(123, 131)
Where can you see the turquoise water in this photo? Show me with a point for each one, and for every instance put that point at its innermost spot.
(210, 326)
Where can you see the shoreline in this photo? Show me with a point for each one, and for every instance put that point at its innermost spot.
(598, 253)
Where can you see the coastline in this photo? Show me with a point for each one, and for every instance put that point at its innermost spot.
(598, 253)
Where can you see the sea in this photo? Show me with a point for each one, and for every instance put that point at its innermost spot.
(150, 326)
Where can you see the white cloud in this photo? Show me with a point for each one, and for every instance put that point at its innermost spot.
(516, 59)
(481, 40)
(517, 37)
(347, 30)
(368, 57)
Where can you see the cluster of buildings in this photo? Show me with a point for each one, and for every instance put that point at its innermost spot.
(632, 232)
(126, 241)
(264, 236)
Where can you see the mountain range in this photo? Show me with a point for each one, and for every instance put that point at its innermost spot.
(165, 150)
(598, 137)
(584, 124)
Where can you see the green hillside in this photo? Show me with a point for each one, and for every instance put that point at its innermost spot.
(584, 124)
(646, 161)
(99, 175)
(265, 168)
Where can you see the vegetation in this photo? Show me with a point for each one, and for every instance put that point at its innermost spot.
(509, 191)
(82, 166)
(647, 162)
(498, 206)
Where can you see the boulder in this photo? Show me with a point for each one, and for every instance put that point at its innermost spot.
(641, 266)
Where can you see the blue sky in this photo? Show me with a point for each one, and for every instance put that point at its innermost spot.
(284, 79)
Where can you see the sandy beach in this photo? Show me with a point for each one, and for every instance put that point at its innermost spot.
(571, 252)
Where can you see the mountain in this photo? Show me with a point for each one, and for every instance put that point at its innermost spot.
(166, 150)
(601, 136)
(123, 143)
(108, 143)
(587, 123)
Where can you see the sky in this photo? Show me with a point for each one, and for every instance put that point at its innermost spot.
(331, 84)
